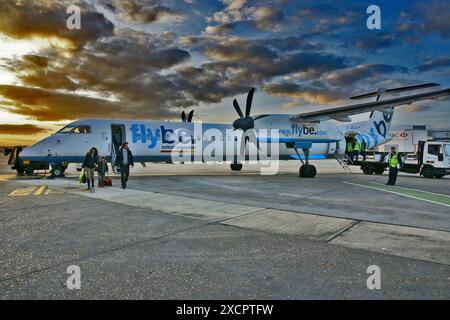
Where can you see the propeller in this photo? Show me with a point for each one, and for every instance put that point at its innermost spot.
(188, 118)
(246, 123)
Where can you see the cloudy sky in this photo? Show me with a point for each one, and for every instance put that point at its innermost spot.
(153, 59)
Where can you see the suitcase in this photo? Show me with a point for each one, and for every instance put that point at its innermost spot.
(107, 182)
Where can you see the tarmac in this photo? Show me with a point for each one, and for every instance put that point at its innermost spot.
(204, 232)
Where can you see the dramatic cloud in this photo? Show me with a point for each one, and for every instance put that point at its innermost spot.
(266, 17)
(151, 59)
(373, 73)
(21, 129)
(325, 18)
(429, 16)
(28, 18)
(135, 11)
(373, 42)
(439, 63)
(308, 93)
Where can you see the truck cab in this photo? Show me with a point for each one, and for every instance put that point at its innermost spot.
(434, 156)
(432, 161)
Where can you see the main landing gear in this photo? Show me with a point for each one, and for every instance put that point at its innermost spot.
(236, 166)
(306, 170)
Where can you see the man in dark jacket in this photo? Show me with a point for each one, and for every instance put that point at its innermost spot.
(124, 160)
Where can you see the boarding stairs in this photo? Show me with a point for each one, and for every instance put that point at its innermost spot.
(344, 162)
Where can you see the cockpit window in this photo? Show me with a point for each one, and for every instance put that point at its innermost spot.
(77, 129)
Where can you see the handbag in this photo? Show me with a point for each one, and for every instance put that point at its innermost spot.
(82, 178)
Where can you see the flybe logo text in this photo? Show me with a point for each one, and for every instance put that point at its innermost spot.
(140, 133)
(303, 130)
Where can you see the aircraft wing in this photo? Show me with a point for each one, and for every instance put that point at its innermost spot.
(342, 113)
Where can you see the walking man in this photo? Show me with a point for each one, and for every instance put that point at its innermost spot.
(395, 162)
(124, 160)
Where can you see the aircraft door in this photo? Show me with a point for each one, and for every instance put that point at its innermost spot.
(117, 138)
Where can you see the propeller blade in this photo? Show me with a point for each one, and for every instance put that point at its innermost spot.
(191, 116)
(248, 107)
(243, 144)
(260, 117)
(248, 136)
(251, 137)
(183, 116)
(238, 109)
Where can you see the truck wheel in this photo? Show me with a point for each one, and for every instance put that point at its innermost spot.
(29, 171)
(20, 170)
(367, 170)
(440, 176)
(428, 172)
(379, 171)
(58, 171)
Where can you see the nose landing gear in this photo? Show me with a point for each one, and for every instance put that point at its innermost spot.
(235, 166)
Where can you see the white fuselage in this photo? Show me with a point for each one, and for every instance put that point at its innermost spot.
(162, 141)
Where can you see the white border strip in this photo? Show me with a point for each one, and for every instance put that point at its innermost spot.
(437, 194)
(397, 193)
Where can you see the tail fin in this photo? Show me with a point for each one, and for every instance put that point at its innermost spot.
(375, 131)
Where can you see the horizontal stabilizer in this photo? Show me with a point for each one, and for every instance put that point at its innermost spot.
(395, 90)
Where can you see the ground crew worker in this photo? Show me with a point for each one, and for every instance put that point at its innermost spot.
(395, 162)
(350, 149)
(356, 149)
(363, 149)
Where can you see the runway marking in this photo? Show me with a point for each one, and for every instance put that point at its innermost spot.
(418, 195)
(396, 187)
(40, 190)
(35, 191)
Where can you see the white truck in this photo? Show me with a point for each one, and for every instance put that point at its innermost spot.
(433, 161)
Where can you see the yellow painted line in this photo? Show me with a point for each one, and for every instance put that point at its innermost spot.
(53, 191)
(40, 190)
(22, 192)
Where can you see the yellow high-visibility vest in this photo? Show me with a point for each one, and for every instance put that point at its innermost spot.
(357, 145)
(393, 161)
(349, 147)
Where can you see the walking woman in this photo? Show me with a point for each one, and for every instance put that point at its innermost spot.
(89, 164)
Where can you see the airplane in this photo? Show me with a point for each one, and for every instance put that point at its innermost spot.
(314, 135)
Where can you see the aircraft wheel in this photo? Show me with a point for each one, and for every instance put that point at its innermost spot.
(236, 166)
(308, 171)
(301, 172)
